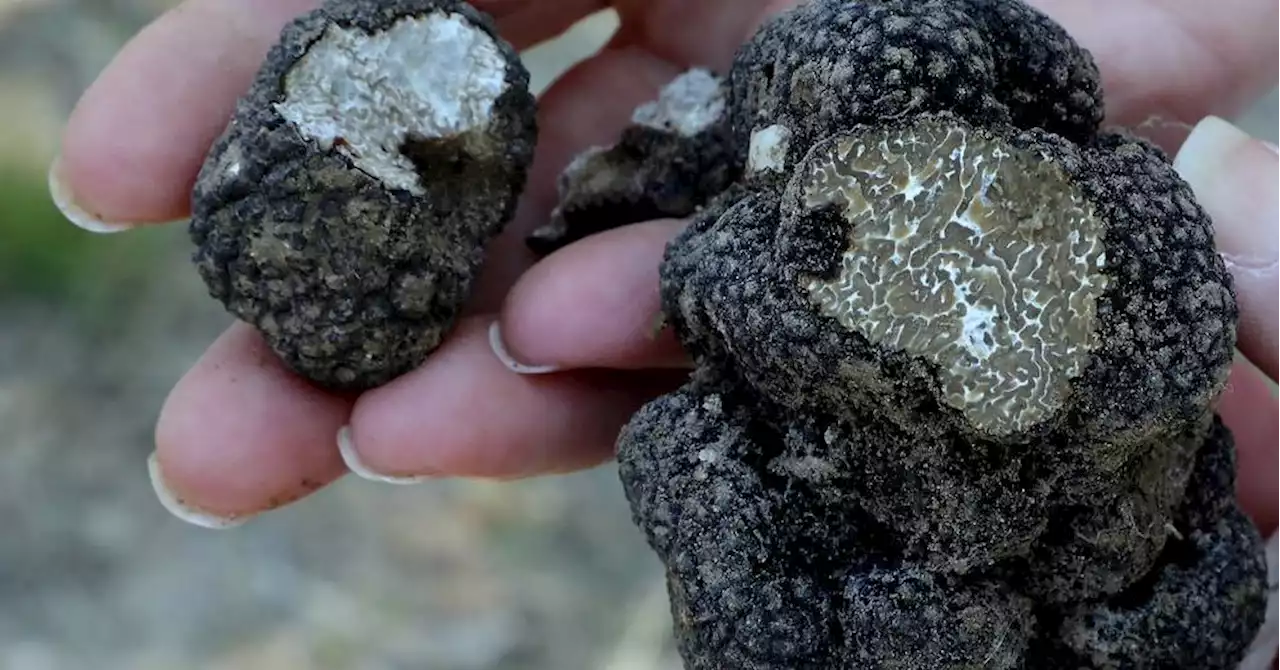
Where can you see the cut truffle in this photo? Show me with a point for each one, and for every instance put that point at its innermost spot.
(958, 353)
(927, 309)
(345, 210)
(676, 154)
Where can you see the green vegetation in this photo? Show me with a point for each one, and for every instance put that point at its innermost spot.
(44, 258)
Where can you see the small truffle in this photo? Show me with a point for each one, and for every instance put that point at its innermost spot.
(958, 355)
(676, 154)
(346, 208)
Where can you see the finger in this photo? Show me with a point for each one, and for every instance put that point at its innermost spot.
(1250, 409)
(594, 304)
(240, 435)
(588, 106)
(592, 103)
(694, 34)
(1171, 58)
(464, 414)
(1236, 179)
(135, 142)
(136, 139)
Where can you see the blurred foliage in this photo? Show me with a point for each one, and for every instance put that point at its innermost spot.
(43, 257)
(49, 52)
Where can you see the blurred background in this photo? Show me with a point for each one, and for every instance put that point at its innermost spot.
(94, 330)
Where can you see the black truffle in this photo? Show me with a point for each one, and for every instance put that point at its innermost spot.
(676, 154)
(346, 208)
(1204, 601)
(958, 354)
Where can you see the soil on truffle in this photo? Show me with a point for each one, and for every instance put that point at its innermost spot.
(352, 279)
(958, 352)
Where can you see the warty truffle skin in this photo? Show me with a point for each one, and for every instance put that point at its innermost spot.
(687, 467)
(1201, 605)
(345, 209)
(825, 67)
(986, 334)
(676, 153)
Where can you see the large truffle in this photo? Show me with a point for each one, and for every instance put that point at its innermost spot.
(346, 208)
(958, 353)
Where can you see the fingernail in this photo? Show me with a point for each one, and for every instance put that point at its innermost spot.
(500, 350)
(180, 509)
(66, 203)
(347, 447)
(1234, 178)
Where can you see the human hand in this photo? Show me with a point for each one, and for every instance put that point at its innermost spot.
(135, 142)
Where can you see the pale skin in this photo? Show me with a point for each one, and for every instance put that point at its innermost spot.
(239, 435)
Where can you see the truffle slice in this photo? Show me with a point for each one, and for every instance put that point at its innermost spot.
(975, 256)
(688, 465)
(676, 154)
(1205, 600)
(345, 210)
(929, 270)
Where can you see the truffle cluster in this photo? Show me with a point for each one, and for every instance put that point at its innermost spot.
(959, 351)
(346, 208)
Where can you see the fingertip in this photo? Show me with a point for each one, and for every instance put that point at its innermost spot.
(464, 414)
(355, 463)
(240, 435)
(503, 352)
(135, 141)
(62, 197)
(180, 509)
(595, 304)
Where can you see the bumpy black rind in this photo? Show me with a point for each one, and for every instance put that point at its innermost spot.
(912, 618)
(1045, 79)
(649, 174)
(1202, 604)
(352, 283)
(689, 462)
(828, 66)
(1039, 535)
